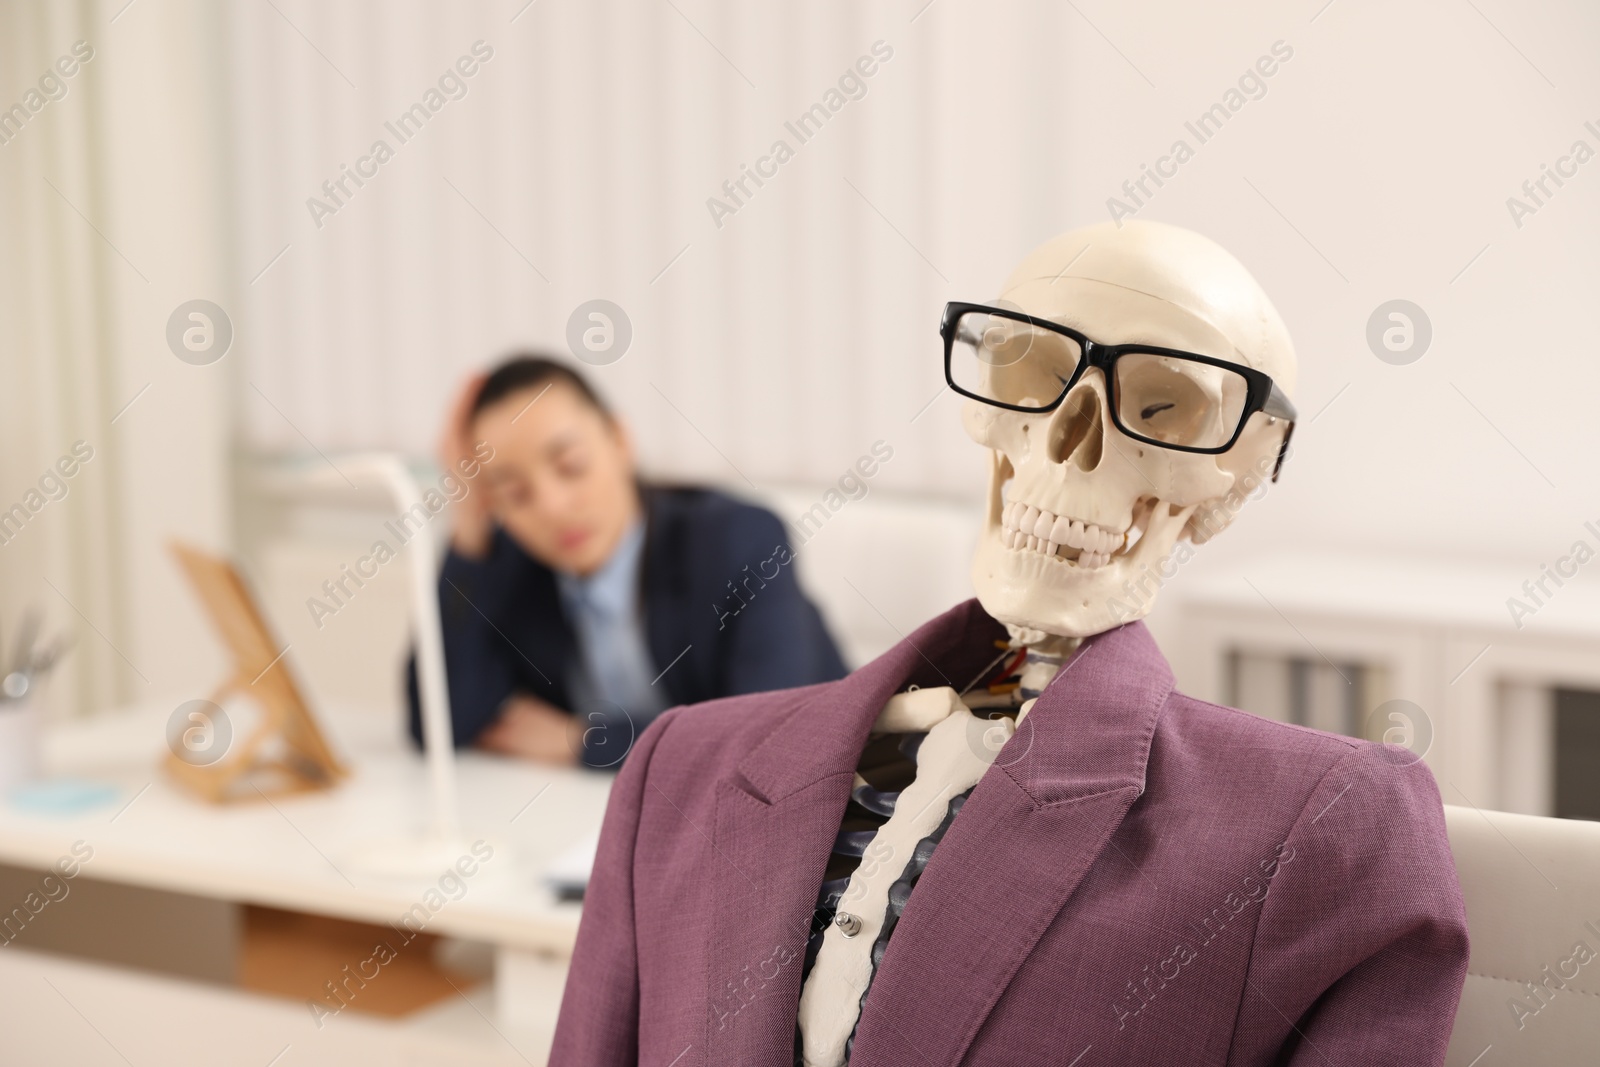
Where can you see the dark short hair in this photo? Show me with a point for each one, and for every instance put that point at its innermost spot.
(530, 371)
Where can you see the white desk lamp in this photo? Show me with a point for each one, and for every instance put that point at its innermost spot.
(442, 843)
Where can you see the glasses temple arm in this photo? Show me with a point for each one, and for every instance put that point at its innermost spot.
(1283, 450)
(1279, 404)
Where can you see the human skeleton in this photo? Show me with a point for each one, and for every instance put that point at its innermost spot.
(1078, 511)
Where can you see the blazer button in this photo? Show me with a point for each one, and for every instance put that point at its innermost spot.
(849, 925)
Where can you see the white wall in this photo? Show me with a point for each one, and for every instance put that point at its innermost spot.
(777, 347)
(1390, 142)
(579, 166)
(1376, 166)
(115, 208)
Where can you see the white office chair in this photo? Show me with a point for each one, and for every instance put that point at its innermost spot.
(1532, 887)
(881, 566)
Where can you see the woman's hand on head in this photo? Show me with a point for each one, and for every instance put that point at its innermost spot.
(472, 523)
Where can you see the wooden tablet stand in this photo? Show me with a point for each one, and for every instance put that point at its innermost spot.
(286, 753)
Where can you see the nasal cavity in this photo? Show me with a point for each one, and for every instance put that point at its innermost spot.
(1076, 434)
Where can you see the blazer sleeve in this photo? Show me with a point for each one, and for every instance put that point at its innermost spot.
(778, 639)
(598, 1025)
(479, 668)
(1361, 950)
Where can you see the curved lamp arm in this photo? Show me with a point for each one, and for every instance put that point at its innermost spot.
(390, 470)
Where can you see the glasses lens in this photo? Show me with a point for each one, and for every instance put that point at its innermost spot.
(1178, 401)
(1011, 362)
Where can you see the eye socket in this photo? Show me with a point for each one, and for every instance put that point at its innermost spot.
(1179, 401)
(1009, 361)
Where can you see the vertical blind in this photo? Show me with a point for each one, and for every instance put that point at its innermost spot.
(605, 150)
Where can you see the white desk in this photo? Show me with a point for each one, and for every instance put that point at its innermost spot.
(296, 852)
(55, 1010)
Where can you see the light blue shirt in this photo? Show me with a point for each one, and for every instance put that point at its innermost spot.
(612, 684)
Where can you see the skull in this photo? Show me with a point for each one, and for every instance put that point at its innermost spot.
(1082, 520)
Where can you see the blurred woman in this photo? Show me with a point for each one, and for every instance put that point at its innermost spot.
(579, 602)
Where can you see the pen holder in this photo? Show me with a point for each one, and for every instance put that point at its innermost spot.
(19, 743)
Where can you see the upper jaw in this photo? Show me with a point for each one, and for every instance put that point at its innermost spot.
(1026, 527)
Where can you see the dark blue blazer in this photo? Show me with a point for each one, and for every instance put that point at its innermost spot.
(724, 615)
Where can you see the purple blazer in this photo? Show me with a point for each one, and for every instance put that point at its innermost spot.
(1142, 878)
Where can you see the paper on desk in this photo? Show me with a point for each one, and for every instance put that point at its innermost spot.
(568, 876)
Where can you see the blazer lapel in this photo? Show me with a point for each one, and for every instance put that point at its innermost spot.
(1032, 827)
(778, 811)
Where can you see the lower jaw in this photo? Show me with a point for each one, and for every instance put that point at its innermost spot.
(1024, 587)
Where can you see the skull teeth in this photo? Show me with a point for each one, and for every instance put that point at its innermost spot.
(1033, 529)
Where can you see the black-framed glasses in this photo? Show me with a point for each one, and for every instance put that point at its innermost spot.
(1162, 396)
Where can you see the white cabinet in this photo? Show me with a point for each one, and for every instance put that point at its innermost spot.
(1330, 639)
